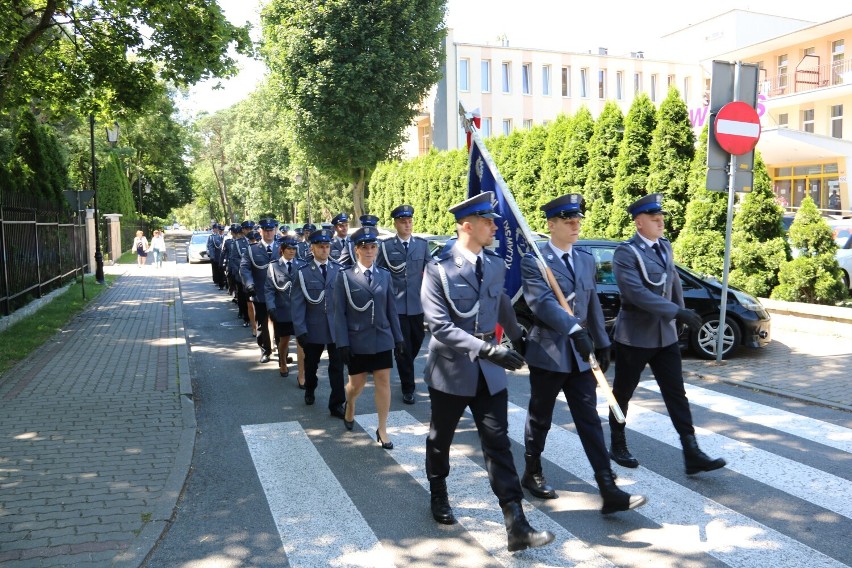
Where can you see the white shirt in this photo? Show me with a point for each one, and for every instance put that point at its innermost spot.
(559, 252)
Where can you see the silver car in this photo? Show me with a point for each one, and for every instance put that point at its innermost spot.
(196, 248)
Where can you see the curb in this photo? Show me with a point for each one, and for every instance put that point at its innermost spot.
(812, 311)
(8, 321)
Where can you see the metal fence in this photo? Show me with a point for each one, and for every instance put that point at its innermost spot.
(42, 247)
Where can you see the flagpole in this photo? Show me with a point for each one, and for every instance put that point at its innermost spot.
(470, 127)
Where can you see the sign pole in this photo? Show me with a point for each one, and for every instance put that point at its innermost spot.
(732, 172)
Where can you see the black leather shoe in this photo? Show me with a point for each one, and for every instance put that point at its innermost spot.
(618, 451)
(696, 461)
(521, 534)
(382, 443)
(533, 479)
(289, 359)
(614, 499)
(338, 411)
(285, 372)
(309, 398)
(441, 510)
(408, 398)
(348, 423)
(264, 358)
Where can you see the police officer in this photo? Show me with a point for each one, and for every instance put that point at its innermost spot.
(214, 253)
(463, 301)
(347, 255)
(279, 281)
(406, 257)
(558, 350)
(341, 234)
(231, 261)
(253, 271)
(646, 331)
(304, 247)
(312, 304)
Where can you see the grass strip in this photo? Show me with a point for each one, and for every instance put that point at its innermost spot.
(27, 335)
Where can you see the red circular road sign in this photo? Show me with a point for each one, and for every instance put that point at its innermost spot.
(737, 128)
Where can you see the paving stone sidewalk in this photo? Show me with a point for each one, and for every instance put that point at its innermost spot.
(97, 430)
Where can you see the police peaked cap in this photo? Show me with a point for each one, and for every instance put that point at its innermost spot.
(365, 235)
(321, 236)
(340, 218)
(650, 204)
(566, 206)
(368, 220)
(267, 223)
(402, 211)
(479, 205)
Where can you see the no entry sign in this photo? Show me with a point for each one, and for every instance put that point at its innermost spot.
(737, 128)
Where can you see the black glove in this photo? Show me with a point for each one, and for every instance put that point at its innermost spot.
(603, 357)
(399, 349)
(302, 340)
(250, 290)
(503, 356)
(520, 344)
(689, 318)
(583, 343)
(345, 354)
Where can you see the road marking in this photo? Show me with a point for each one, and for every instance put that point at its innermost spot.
(282, 454)
(699, 524)
(810, 484)
(800, 426)
(475, 506)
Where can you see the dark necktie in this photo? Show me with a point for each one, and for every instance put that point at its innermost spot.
(479, 270)
(566, 258)
(659, 251)
(269, 251)
(369, 276)
(405, 244)
(324, 271)
(289, 267)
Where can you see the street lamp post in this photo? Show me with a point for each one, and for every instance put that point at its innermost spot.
(99, 256)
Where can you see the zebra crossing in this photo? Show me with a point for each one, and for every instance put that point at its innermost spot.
(681, 521)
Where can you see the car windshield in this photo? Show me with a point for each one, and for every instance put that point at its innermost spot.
(199, 239)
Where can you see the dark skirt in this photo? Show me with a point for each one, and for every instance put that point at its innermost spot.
(368, 363)
(284, 328)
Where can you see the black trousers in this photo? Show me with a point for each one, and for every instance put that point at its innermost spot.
(490, 414)
(665, 362)
(218, 273)
(579, 389)
(313, 352)
(242, 301)
(412, 335)
(261, 318)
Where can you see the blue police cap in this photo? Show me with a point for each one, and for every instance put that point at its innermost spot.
(309, 228)
(477, 205)
(267, 223)
(566, 206)
(284, 228)
(321, 236)
(254, 235)
(289, 242)
(247, 224)
(650, 204)
(326, 226)
(403, 211)
(340, 218)
(365, 235)
(236, 228)
(299, 230)
(368, 220)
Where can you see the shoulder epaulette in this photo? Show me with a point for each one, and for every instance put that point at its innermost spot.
(491, 252)
(418, 238)
(581, 249)
(377, 267)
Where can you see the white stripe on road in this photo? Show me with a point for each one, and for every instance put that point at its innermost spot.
(738, 128)
(282, 454)
(810, 484)
(475, 506)
(781, 420)
(699, 524)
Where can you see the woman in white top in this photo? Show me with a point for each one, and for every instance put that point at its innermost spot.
(158, 246)
(140, 247)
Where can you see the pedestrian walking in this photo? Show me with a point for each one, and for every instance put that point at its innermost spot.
(140, 246)
(158, 247)
(279, 282)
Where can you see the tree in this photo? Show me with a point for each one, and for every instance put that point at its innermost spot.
(672, 150)
(600, 172)
(525, 184)
(114, 194)
(59, 51)
(351, 76)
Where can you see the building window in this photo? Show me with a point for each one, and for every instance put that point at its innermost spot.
(783, 120)
(545, 80)
(601, 83)
(486, 126)
(584, 83)
(808, 120)
(654, 87)
(782, 71)
(808, 51)
(837, 121)
(507, 126)
(506, 68)
(566, 81)
(619, 85)
(464, 74)
(686, 89)
(528, 124)
(526, 78)
(485, 80)
(670, 80)
(837, 48)
(637, 83)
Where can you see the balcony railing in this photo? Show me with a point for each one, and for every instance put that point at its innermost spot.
(808, 77)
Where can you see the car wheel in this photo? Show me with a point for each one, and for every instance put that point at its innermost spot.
(703, 341)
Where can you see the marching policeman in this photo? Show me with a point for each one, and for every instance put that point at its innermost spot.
(347, 255)
(279, 281)
(214, 253)
(463, 301)
(312, 304)
(341, 232)
(253, 271)
(646, 331)
(230, 267)
(558, 350)
(304, 247)
(406, 257)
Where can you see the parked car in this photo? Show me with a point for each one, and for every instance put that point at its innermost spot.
(196, 248)
(843, 238)
(746, 321)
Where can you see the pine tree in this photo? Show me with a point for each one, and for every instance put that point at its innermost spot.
(672, 151)
(575, 153)
(552, 168)
(525, 185)
(114, 193)
(600, 172)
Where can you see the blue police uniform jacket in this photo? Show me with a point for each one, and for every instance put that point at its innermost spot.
(303, 250)
(548, 344)
(347, 253)
(254, 266)
(365, 312)
(214, 247)
(312, 302)
(337, 246)
(648, 304)
(276, 291)
(406, 268)
(235, 249)
(453, 365)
